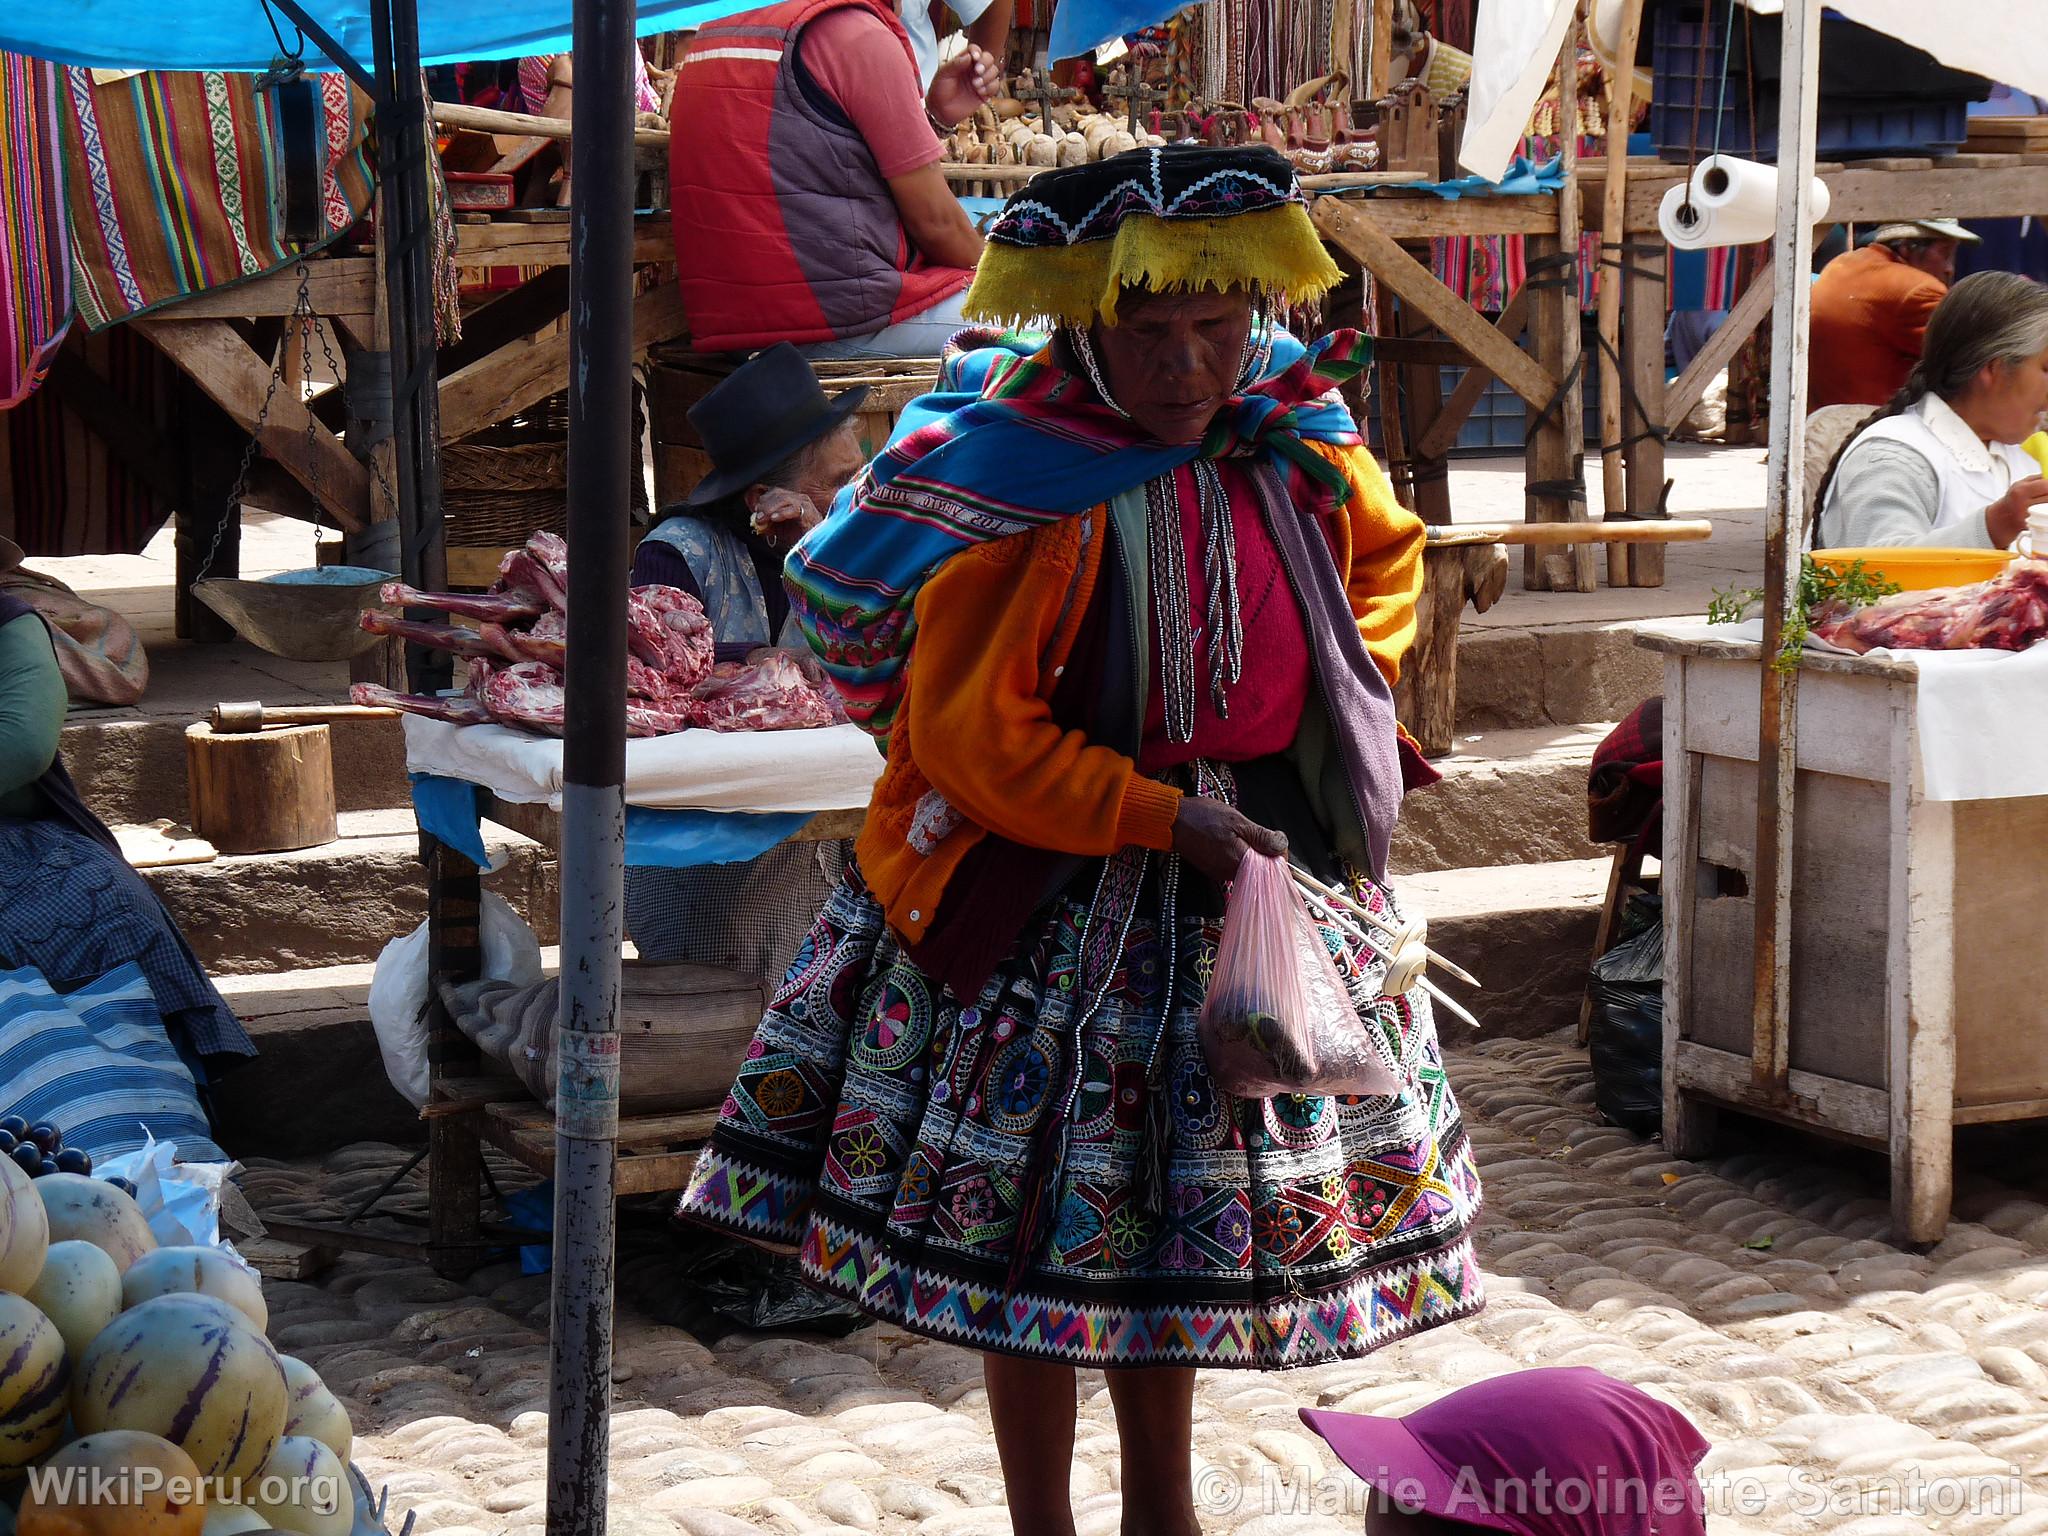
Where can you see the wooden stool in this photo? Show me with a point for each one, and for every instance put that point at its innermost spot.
(1625, 874)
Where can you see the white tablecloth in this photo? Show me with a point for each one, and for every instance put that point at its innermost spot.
(832, 769)
(1982, 715)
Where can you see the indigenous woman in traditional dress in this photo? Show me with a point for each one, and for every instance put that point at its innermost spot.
(1123, 606)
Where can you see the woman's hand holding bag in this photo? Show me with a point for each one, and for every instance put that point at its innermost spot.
(1278, 1019)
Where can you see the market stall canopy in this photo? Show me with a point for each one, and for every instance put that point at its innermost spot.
(1517, 42)
(236, 34)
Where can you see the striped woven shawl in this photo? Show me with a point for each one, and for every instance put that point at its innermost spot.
(1008, 443)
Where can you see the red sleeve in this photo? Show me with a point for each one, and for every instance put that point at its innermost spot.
(857, 61)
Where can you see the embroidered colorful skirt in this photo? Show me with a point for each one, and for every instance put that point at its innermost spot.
(997, 1174)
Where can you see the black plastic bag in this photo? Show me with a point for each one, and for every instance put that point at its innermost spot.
(1627, 1034)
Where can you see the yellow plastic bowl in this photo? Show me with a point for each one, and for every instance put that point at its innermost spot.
(1920, 569)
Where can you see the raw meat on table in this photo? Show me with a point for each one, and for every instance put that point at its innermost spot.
(666, 628)
(441, 637)
(495, 607)
(766, 692)
(458, 709)
(2007, 613)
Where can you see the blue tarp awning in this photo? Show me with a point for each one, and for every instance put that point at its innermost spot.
(235, 34)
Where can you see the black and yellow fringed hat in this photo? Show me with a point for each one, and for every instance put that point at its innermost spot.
(1180, 217)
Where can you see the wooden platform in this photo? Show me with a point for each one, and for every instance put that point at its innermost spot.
(656, 1152)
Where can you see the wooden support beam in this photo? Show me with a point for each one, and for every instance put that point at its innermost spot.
(235, 378)
(506, 319)
(1358, 234)
(452, 114)
(1556, 454)
(1423, 392)
(338, 287)
(1691, 386)
(1621, 86)
(505, 383)
(1441, 435)
(1646, 419)
(1380, 63)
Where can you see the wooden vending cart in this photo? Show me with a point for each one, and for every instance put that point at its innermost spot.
(1914, 924)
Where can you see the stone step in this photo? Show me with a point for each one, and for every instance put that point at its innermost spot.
(1561, 674)
(131, 768)
(1507, 797)
(1525, 933)
(342, 902)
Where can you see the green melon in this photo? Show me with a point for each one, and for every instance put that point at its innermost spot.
(93, 1211)
(314, 1410)
(199, 1271)
(80, 1291)
(192, 1369)
(24, 1229)
(33, 1378)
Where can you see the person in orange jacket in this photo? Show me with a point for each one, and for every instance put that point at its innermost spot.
(1871, 308)
(1127, 606)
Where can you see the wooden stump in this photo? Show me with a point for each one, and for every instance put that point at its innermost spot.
(261, 791)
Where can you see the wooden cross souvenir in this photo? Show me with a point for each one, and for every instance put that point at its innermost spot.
(1138, 97)
(1030, 88)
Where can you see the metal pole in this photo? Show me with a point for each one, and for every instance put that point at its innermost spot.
(1778, 722)
(593, 766)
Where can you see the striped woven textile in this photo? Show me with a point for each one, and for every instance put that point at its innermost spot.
(35, 252)
(98, 1064)
(177, 184)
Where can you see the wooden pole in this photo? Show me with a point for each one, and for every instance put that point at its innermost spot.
(1381, 43)
(1778, 727)
(1556, 455)
(1621, 85)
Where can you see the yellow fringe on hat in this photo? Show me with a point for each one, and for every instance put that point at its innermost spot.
(1275, 250)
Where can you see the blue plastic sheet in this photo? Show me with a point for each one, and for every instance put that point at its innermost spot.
(1524, 178)
(235, 34)
(447, 809)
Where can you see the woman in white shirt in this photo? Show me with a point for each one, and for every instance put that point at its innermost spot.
(1941, 464)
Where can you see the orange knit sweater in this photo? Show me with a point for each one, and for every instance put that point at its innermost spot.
(975, 748)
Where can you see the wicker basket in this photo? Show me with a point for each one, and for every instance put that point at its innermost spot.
(509, 482)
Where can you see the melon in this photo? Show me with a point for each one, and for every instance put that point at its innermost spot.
(24, 1230)
(80, 1291)
(315, 1411)
(303, 1487)
(232, 1520)
(93, 1211)
(192, 1369)
(122, 1484)
(200, 1271)
(33, 1376)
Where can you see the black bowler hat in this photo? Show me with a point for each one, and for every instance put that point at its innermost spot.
(767, 409)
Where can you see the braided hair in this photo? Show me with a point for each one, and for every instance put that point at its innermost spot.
(1988, 317)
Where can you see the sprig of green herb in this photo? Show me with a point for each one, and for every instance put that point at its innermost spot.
(1819, 586)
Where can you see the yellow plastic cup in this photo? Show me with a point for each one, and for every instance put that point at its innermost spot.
(2036, 448)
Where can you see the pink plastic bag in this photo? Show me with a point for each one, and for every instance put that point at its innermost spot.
(1277, 1019)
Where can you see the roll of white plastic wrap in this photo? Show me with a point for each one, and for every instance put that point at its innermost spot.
(1733, 202)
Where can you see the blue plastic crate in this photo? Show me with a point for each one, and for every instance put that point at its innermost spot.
(1849, 128)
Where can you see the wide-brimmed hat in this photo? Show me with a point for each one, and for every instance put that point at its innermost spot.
(11, 554)
(767, 409)
(1923, 229)
(1175, 218)
(1565, 1451)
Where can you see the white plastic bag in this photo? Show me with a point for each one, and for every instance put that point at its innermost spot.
(398, 990)
(181, 1201)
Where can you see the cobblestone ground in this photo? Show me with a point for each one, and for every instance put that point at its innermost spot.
(1753, 1290)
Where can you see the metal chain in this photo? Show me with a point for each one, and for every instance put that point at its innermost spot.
(309, 325)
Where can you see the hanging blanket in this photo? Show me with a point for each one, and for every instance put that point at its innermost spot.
(35, 256)
(178, 184)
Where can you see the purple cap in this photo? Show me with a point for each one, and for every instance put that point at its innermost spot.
(1560, 1452)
